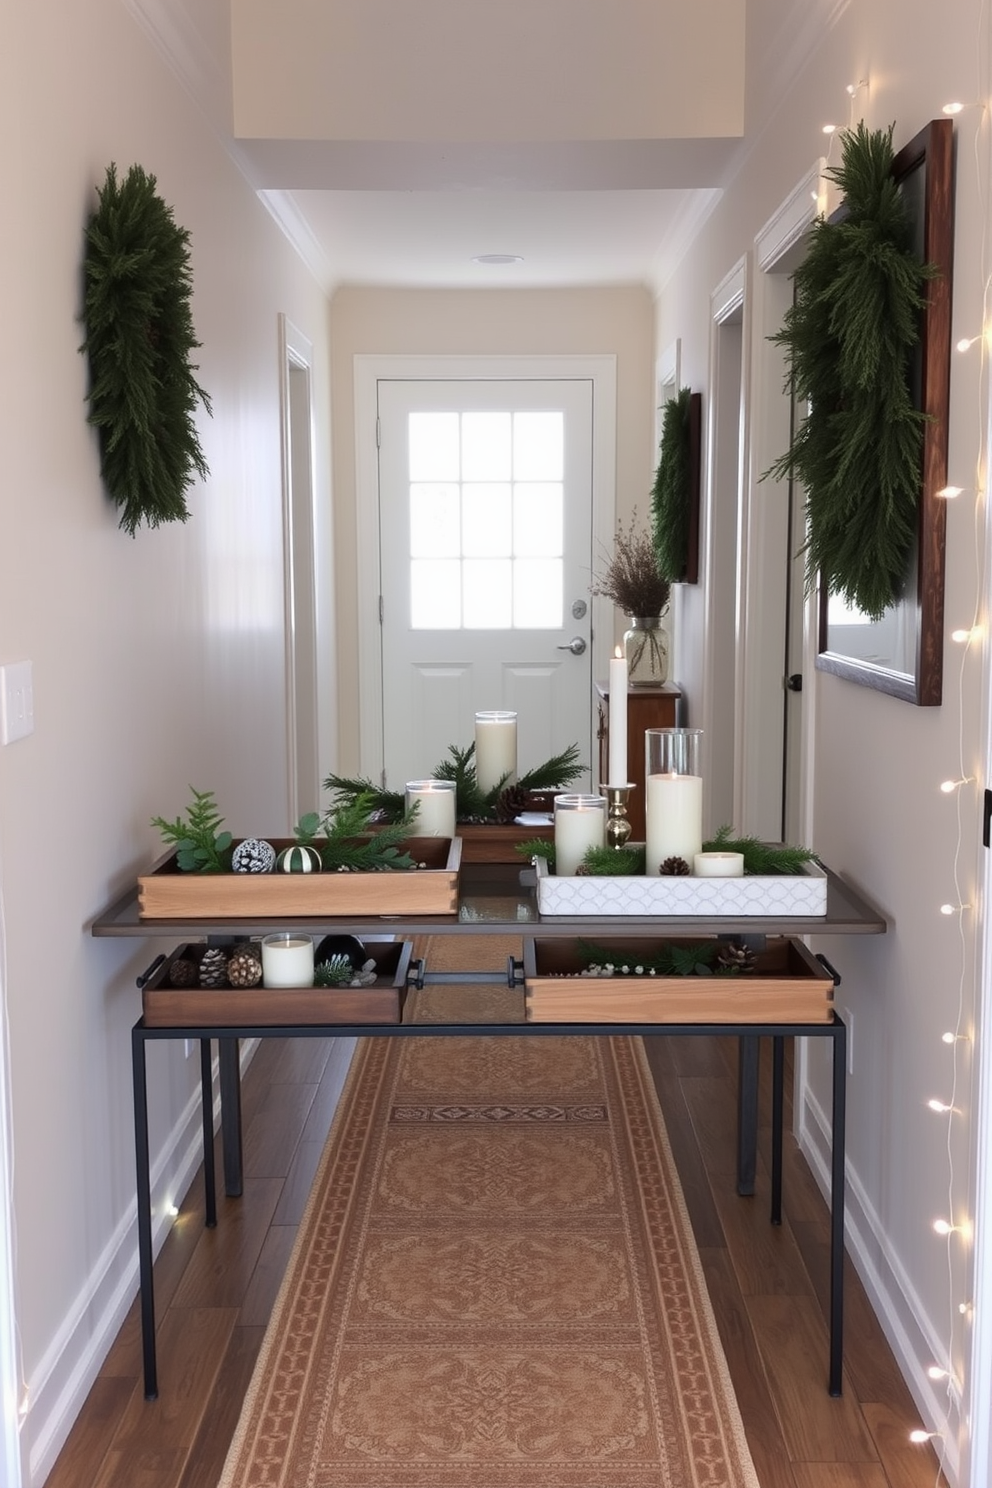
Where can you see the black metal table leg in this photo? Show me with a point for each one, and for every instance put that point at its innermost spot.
(207, 1112)
(748, 1051)
(778, 1093)
(144, 1201)
(230, 1115)
(838, 1119)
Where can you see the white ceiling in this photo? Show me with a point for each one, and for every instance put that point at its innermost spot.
(400, 213)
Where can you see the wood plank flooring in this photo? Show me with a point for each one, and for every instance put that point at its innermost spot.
(215, 1289)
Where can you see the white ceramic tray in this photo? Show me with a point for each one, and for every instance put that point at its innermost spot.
(770, 895)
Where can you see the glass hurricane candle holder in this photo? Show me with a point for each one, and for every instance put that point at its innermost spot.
(580, 823)
(673, 802)
(435, 802)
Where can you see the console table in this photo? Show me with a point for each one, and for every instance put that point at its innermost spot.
(495, 899)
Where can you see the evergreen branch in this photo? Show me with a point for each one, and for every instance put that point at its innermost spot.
(671, 496)
(538, 847)
(761, 857)
(385, 805)
(670, 959)
(556, 773)
(614, 862)
(354, 842)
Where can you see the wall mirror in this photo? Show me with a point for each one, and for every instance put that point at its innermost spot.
(902, 653)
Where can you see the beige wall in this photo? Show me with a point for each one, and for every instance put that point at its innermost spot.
(878, 815)
(158, 662)
(601, 322)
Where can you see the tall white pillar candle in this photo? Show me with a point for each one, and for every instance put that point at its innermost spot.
(618, 720)
(287, 960)
(673, 807)
(435, 802)
(580, 823)
(495, 748)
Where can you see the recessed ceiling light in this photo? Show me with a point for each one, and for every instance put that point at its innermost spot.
(498, 258)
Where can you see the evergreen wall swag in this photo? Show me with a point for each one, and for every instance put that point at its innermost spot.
(675, 493)
(139, 336)
(849, 338)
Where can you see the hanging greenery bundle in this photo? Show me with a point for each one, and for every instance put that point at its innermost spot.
(671, 495)
(849, 338)
(139, 336)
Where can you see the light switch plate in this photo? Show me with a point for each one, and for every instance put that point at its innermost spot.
(16, 702)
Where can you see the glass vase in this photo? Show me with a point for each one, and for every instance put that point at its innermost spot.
(645, 645)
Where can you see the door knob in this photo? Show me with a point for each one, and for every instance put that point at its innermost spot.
(795, 682)
(576, 645)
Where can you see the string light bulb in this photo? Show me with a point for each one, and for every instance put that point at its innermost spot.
(966, 343)
(919, 1436)
(950, 786)
(936, 1373)
(961, 636)
(949, 492)
(829, 129)
(939, 1106)
(953, 108)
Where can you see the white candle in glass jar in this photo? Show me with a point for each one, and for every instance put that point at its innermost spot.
(435, 800)
(673, 807)
(495, 748)
(718, 865)
(618, 720)
(580, 823)
(287, 960)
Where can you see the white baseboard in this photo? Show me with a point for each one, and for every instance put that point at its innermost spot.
(71, 1364)
(908, 1330)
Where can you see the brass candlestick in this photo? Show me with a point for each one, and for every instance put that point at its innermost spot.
(618, 828)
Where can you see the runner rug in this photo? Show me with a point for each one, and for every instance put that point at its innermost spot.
(495, 1284)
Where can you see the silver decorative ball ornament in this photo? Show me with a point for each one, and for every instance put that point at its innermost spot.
(254, 855)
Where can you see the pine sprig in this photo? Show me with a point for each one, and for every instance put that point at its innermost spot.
(353, 841)
(471, 802)
(670, 959)
(848, 339)
(619, 862)
(139, 336)
(761, 857)
(385, 805)
(555, 774)
(200, 845)
(538, 847)
(671, 495)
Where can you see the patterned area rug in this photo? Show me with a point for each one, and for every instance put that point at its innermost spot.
(494, 1286)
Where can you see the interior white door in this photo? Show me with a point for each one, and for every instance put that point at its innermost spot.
(485, 532)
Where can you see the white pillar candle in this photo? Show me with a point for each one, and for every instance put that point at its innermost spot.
(495, 748)
(673, 807)
(435, 800)
(287, 960)
(618, 720)
(580, 823)
(718, 865)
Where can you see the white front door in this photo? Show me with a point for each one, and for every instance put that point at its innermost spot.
(485, 534)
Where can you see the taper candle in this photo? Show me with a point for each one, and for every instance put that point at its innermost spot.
(618, 720)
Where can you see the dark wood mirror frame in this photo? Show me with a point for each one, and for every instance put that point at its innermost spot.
(930, 152)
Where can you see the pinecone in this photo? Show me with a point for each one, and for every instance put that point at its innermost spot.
(510, 802)
(737, 958)
(674, 867)
(244, 969)
(182, 972)
(213, 967)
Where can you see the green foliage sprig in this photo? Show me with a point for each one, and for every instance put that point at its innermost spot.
(620, 862)
(352, 840)
(761, 857)
(471, 803)
(671, 494)
(139, 336)
(848, 340)
(200, 846)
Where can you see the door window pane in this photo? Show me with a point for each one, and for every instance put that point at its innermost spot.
(539, 446)
(487, 597)
(435, 594)
(434, 521)
(486, 446)
(434, 447)
(538, 520)
(487, 521)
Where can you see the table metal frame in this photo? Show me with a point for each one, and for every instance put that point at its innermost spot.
(498, 899)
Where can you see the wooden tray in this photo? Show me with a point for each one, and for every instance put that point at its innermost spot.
(165, 1006)
(168, 894)
(497, 843)
(790, 986)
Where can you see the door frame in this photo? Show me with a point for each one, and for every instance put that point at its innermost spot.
(369, 370)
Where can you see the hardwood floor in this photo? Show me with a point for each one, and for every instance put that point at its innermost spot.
(215, 1289)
